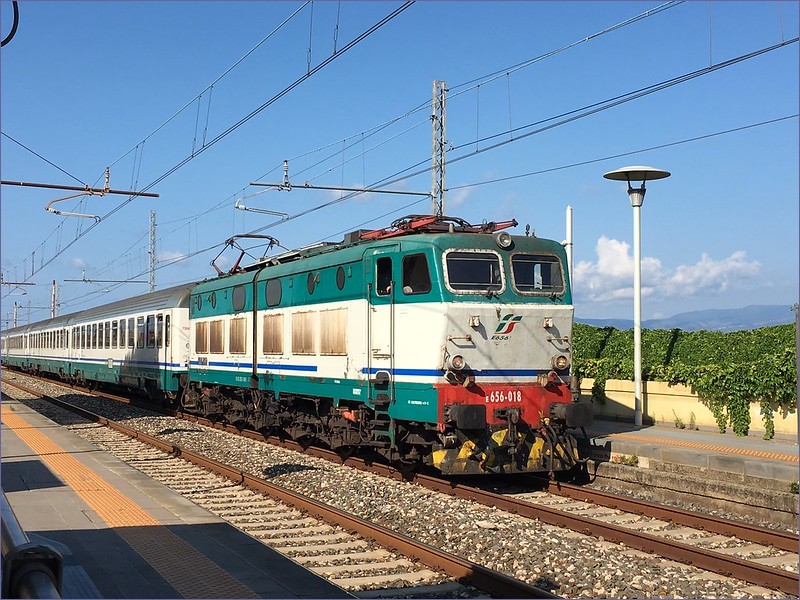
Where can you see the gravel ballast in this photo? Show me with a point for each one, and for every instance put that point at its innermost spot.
(569, 564)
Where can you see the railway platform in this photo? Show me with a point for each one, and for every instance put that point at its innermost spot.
(743, 458)
(123, 535)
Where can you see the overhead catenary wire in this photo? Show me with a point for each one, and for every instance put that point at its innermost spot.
(352, 43)
(511, 130)
(380, 127)
(49, 162)
(621, 154)
(404, 207)
(579, 113)
(165, 264)
(217, 80)
(476, 82)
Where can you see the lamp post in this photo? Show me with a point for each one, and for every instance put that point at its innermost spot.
(636, 196)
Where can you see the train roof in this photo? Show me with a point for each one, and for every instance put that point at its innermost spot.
(435, 232)
(174, 297)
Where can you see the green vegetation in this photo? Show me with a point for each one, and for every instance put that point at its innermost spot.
(629, 461)
(728, 371)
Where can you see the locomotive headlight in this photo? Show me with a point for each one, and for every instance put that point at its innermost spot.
(560, 362)
(504, 240)
(455, 362)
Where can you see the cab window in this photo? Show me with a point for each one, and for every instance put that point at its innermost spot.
(416, 276)
(383, 276)
(473, 271)
(537, 274)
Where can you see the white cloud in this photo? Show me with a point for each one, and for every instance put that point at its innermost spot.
(78, 263)
(170, 256)
(456, 198)
(611, 277)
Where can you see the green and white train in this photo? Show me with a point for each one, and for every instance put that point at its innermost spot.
(432, 341)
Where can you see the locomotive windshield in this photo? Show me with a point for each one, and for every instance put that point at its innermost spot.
(474, 271)
(537, 274)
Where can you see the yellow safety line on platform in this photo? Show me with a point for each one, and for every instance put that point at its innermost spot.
(181, 565)
(772, 455)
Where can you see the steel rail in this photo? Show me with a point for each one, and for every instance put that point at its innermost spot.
(709, 560)
(493, 582)
(709, 523)
(744, 531)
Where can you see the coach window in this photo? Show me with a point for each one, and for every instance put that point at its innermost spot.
(304, 328)
(100, 335)
(166, 331)
(82, 343)
(151, 331)
(384, 276)
(273, 334)
(160, 330)
(238, 336)
(94, 335)
(311, 281)
(216, 335)
(114, 334)
(140, 332)
(416, 276)
(108, 334)
(122, 327)
(131, 333)
(201, 337)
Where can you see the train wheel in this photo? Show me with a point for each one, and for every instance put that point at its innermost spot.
(345, 452)
(408, 467)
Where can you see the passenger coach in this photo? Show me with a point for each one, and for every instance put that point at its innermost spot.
(140, 343)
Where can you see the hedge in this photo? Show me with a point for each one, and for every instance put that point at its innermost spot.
(728, 370)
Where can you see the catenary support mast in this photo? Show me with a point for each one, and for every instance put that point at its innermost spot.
(439, 141)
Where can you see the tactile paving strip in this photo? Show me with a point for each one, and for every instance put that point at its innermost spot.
(772, 455)
(182, 566)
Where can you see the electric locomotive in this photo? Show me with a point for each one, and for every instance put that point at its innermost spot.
(432, 341)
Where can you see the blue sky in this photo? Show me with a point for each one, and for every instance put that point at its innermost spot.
(88, 85)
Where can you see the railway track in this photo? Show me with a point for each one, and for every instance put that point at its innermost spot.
(761, 556)
(350, 552)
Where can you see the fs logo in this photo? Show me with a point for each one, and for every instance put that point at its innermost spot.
(505, 326)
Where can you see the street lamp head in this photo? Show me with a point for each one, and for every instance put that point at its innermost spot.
(638, 173)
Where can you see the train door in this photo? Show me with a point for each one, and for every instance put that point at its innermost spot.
(381, 284)
(162, 350)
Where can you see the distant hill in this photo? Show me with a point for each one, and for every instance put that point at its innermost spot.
(719, 319)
